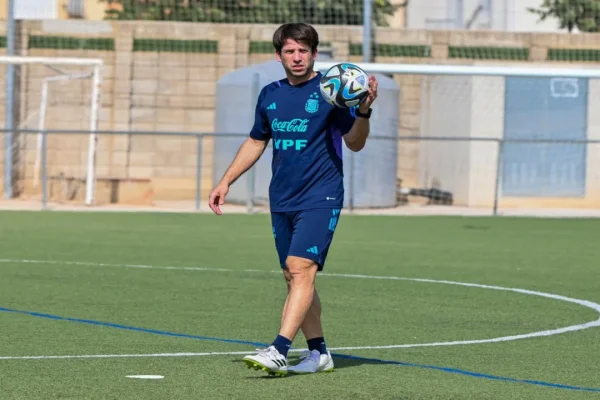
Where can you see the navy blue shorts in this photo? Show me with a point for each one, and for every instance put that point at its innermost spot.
(306, 234)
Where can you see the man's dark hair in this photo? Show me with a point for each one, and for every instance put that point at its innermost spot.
(300, 32)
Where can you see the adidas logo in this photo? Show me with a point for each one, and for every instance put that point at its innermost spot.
(273, 106)
(313, 250)
(280, 363)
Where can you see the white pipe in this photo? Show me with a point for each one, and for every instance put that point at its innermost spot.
(470, 70)
(41, 123)
(94, 117)
(49, 60)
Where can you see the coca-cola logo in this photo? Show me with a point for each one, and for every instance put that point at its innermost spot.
(295, 125)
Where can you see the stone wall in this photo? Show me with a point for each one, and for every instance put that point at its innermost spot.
(162, 77)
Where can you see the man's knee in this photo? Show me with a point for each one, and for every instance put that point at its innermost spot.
(298, 267)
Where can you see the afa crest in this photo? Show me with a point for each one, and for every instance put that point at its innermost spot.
(312, 104)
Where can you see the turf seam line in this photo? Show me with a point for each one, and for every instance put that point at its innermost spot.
(129, 328)
(259, 344)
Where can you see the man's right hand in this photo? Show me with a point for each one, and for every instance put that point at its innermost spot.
(217, 197)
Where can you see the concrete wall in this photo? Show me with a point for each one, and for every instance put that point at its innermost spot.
(487, 122)
(446, 113)
(462, 107)
(165, 88)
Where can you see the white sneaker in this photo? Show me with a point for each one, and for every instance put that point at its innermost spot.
(312, 362)
(269, 360)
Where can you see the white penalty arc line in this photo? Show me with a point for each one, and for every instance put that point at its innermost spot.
(204, 354)
(551, 332)
(212, 353)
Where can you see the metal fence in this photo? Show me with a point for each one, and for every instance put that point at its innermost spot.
(164, 83)
(177, 170)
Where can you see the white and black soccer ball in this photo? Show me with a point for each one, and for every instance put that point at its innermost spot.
(344, 85)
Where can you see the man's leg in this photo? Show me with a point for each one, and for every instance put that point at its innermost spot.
(311, 326)
(301, 273)
(288, 280)
(305, 237)
(274, 359)
(311, 242)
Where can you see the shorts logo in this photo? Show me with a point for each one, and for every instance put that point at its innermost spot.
(312, 104)
(313, 250)
(334, 220)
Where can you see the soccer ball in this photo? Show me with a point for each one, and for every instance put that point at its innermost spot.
(344, 85)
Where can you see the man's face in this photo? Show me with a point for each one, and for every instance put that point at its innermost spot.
(297, 58)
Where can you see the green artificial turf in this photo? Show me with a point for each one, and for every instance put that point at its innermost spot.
(87, 289)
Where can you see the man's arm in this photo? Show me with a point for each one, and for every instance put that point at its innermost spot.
(248, 154)
(356, 138)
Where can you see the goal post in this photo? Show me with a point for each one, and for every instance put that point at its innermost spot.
(59, 67)
(485, 136)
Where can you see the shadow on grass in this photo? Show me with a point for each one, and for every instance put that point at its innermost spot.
(344, 361)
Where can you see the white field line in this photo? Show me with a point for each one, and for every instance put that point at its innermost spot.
(215, 353)
(210, 353)
(551, 332)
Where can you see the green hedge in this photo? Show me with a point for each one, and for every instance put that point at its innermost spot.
(176, 46)
(489, 53)
(591, 55)
(70, 43)
(393, 50)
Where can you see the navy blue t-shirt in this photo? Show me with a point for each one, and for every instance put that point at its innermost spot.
(307, 145)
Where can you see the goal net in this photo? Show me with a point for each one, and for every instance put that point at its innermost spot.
(481, 137)
(50, 154)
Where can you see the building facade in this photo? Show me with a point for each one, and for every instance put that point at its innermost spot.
(55, 9)
(497, 15)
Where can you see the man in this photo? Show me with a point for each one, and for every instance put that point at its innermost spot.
(306, 192)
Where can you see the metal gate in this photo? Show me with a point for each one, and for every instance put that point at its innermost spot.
(545, 109)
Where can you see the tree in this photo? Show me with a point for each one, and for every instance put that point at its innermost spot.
(581, 14)
(332, 12)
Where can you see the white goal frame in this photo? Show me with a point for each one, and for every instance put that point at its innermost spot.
(558, 76)
(470, 70)
(95, 103)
